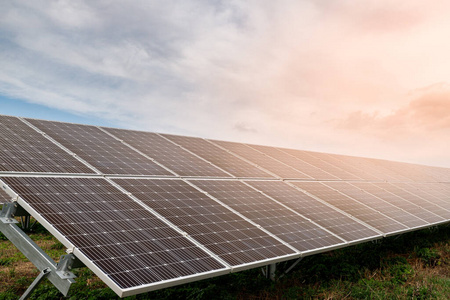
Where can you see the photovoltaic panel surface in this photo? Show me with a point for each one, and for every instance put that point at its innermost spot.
(404, 204)
(156, 210)
(262, 160)
(4, 197)
(128, 246)
(301, 166)
(23, 149)
(323, 165)
(362, 211)
(218, 157)
(223, 232)
(168, 154)
(99, 149)
(425, 191)
(270, 215)
(424, 203)
(353, 168)
(319, 212)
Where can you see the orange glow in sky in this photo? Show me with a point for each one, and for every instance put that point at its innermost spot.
(366, 78)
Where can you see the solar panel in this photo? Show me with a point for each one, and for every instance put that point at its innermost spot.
(337, 194)
(424, 203)
(223, 232)
(404, 204)
(99, 149)
(352, 168)
(145, 211)
(323, 165)
(4, 197)
(23, 149)
(166, 153)
(381, 205)
(270, 215)
(293, 162)
(324, 215)
(218, 157)
(121, 241)
(262, 160)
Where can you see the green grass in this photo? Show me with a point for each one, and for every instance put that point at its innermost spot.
(413, 266)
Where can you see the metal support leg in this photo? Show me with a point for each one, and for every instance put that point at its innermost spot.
(270, 271)
(291, 267)
(34, 253)
(35, 283)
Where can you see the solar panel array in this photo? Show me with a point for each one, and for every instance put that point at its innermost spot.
(146, 210)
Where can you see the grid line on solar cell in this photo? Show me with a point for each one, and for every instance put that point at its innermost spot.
(115, 251)
(99, 149)
(220, 230)
(349, 205)
(323, 214)
(406, 205)
(292, 161)
(23, 149)
(167, 153)
(261, 160)
(218, 157)
(309, 158)
(280, 221)
(434, 208)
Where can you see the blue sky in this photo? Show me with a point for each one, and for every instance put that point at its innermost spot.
(367, 79)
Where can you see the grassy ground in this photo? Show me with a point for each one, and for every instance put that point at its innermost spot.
(413, 266)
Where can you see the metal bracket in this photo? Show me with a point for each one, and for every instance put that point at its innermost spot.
(35, 283)
(7, 214)
(58, 274)
(66, 264)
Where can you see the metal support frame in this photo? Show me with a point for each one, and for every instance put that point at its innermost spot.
(269, 271)
(60, 274)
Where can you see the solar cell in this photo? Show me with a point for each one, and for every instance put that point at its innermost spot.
(401, 203)
(272, 165)
(270, 215)
(338, 195)
(218, 157)
(167, 153)
(223, 232)
(122, 242)
(99, 149)
(311, 159)
(320, 213)
(23, 149)
(426, 191)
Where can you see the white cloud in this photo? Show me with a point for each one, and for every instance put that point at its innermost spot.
(271, 72)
